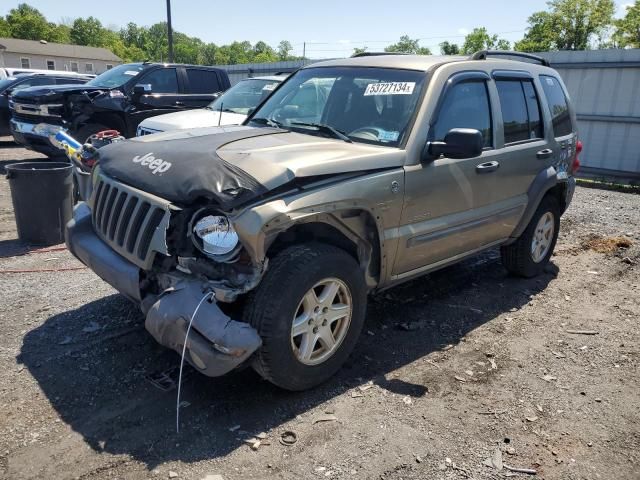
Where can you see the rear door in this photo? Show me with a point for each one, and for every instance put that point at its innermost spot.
(525, 149)
(201, 85)
(165, 96)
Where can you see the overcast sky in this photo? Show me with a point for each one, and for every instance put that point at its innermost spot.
(331, 28)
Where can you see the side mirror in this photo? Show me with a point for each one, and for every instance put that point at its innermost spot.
(458, 143)
(142, 89)
(217, 95)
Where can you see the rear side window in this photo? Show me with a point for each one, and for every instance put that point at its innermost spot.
(202, 81)
(466, 105)
(520, 110)
(69, 80)
(163, 80)
(557, 105)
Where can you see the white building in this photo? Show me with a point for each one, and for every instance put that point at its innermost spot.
(15, 53)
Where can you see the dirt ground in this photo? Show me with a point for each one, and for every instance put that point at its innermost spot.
(461, 374)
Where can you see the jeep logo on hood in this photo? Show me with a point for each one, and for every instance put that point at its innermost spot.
(156, 165)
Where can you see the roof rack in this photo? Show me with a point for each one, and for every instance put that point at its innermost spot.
(483, 54)
(375, 54)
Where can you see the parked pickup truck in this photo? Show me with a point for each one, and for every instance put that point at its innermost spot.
(118, 99)
(231, 108)
(259, 244)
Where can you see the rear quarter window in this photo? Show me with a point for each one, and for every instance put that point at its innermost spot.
(202, 81)
(558, 105)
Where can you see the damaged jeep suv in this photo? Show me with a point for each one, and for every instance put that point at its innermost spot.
(258, 244)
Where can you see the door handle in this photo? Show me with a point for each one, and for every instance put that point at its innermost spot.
(544, 154)
(487, 167)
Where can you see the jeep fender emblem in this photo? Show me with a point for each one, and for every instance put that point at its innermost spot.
(156, 165)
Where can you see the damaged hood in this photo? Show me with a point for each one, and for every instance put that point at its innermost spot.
(50, 93)
(232, 165)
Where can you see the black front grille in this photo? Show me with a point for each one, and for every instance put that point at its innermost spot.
(128, 221)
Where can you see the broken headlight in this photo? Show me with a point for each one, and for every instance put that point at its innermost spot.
(213, 234)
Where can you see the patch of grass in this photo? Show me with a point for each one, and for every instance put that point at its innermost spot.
(604, 185)
(606, 244)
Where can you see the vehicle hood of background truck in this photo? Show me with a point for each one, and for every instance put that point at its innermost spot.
(201, 117)
(233, 165)
(50, 93)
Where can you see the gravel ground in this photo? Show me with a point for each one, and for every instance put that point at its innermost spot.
(458, 375)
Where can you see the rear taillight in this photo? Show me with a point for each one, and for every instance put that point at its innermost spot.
(576, 161)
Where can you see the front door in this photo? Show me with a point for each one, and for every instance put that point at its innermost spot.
(165, 96)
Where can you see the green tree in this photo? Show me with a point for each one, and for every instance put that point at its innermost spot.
(479, 39)
(5, 31)
(59, 33)
(157, 43)
(208, 54)
(408, 45)
(284, 47)
(134, 36)
(358, 50)
(88, 31)
(628, 28)
(447, 48)
(27, 23)
(568, 25)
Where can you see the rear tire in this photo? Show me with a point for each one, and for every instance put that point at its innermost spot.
(530, 253)
(297, 277)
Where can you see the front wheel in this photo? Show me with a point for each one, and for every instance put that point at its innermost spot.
(528, 255)
(309, 310)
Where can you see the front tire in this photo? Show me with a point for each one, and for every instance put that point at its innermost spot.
(530, 254)
(309, 310)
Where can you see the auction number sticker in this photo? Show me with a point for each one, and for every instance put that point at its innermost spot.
(269, 87)
(390, 88)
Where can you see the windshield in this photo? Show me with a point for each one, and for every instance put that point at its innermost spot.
(370, 105)
(244, 96)
(116, 76)
(6, 83)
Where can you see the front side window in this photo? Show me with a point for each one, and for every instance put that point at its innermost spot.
(202, 81)
(164, 80)
(558, 105)
(368, 105)
(520, 110)
(466, 105)
(25, 62)
(244, 96)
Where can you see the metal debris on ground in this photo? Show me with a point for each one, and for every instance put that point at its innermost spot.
(549, 378)
(582, 332)
(460, 379)
(495, 460)
(325, 418)
(165, 380)
(173, 474)
(530, 471)
(288, 438)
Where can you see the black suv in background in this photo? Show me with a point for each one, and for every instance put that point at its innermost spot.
(118, 99)
(17, 82)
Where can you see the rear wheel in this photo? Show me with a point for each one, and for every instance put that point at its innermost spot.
(309, 310)
(530, 254)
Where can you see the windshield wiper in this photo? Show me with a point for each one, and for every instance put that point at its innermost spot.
(326, 129)
(267, 121)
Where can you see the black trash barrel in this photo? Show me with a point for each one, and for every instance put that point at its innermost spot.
(42, 195)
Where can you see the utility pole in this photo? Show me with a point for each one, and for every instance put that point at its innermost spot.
(304, 49)
(169, 31)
